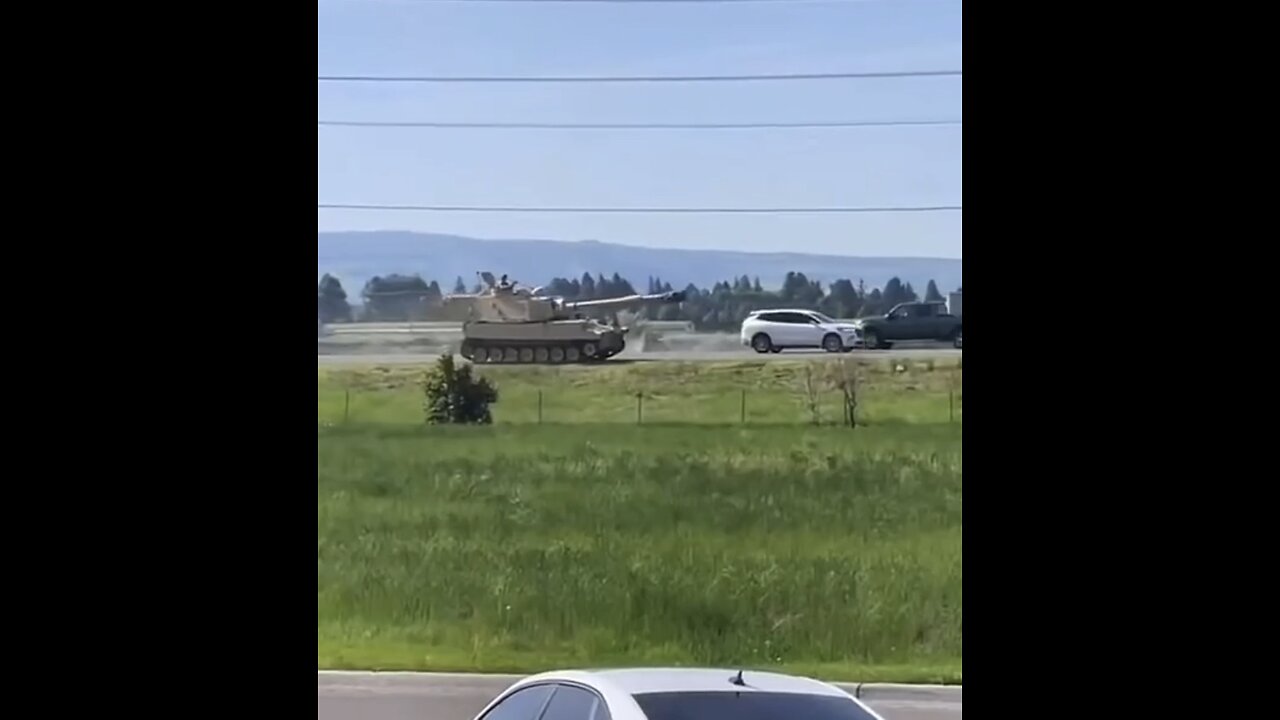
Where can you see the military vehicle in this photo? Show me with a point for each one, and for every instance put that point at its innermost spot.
(505, 323)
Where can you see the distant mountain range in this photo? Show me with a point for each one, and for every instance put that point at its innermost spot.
(354, 257)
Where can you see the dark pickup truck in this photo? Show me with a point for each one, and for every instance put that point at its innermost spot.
(910, 321)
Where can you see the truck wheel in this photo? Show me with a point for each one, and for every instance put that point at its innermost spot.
(831, 343)
(957, 340)
(870, 340)
(761, 343)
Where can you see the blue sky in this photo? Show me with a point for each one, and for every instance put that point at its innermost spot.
(777, 167)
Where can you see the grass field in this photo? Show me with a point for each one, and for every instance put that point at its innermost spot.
(520, 546)
(712, 393)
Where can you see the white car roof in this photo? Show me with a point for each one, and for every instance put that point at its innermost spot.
(753, 313)
(634, 681)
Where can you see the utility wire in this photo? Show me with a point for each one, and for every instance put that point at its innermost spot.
(635, 126)
(638, 78)
(645, 210)
(620, 2)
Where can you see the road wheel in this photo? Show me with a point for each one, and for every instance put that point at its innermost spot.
(831, 343)
(526, 355)
(540, 354)
(957, 340)
(510, 355)
(589, 350)
(557, 355)
(761, 343)
(571, 354)
(480, 355)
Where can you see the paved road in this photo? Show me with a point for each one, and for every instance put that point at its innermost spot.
(405, 696)
(690, 356)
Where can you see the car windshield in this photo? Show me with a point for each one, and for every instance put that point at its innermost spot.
(748, 706)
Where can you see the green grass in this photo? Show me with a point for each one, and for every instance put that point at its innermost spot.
(521, 547)
(711, 393)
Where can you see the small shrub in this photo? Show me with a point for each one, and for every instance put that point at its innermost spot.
(847, 383)
(812, 395)
(452, 395)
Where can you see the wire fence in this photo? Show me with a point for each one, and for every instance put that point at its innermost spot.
(807, 399)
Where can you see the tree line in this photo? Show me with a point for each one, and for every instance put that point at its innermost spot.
(723, 306)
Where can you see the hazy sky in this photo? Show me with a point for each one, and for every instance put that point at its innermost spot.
(776, 167)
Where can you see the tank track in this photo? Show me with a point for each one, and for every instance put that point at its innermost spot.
(496, 352)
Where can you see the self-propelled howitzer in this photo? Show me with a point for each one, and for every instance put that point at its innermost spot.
(504, 323)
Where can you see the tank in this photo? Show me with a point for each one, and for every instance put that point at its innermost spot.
(506, 323)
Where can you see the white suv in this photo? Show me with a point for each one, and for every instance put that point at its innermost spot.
(777, 330)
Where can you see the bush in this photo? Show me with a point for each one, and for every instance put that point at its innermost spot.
(452, 395)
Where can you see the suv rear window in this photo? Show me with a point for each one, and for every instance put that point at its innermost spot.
(748, 706)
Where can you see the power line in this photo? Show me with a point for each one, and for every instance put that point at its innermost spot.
(627, 2)
(639, 78)
(644, 210)
(634, 126)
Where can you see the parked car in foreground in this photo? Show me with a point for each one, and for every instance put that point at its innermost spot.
(776, 330)
(673, 694)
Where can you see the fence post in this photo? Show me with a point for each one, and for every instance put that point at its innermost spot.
(346, 405)
(742, 413)
(639, 408)
(539, 407)
(849, 391)
(951, 398)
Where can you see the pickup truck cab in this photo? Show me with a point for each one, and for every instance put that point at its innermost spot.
(911, 321)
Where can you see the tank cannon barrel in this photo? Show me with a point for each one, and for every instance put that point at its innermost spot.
(626, 301)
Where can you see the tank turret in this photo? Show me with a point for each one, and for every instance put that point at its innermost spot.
(506, 323)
